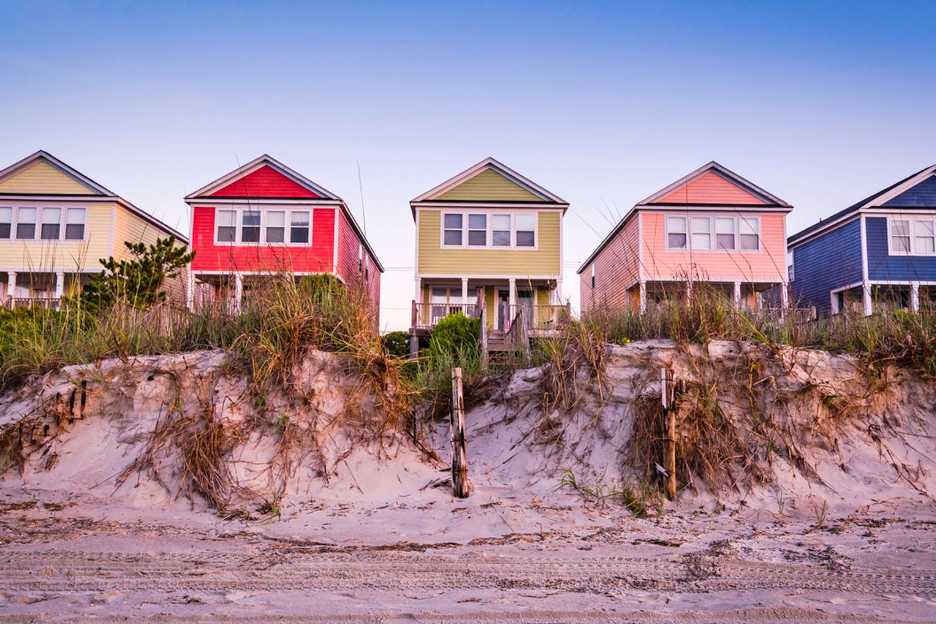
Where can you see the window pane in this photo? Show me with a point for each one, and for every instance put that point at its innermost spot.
(725, 241)
(226, 233)
(749, 225)
(701, 241)
(701, 225)
(676, 225)
(477, 237)
(526, 239)
(299, 235)
(925, 238)
(501, 222)
(477, 222)
(6, 222)
(453, 237)
(900, 227)
(453, 221)
(275, 234)
(750, 242)
(276, 218)
(51, 220)
(925, 244)
(300, 218)
(676, 241)
(26, 224)
(526, 222)
(75, 215)
(250, 234)
(901, 243)
(724, 226)
(439, 295)
(251, 217)
(227, 217)
(501, 239)
(74, 231)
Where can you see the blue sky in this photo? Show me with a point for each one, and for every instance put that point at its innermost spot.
(820, 103)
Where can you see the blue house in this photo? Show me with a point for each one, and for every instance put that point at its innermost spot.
(878, 254)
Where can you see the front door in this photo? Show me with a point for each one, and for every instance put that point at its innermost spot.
(505, 315)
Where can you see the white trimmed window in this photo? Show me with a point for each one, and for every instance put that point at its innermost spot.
(725, 233)
(701, 233)
(227, 226)
(750, 233)
(75, 224)
(713, 232)
(526, 230)
(26, 224)
(51, 223)
(250, 226)
(500, 230)
(299, 228)
(912, 236)
(452, 236)
(6, 222)
(477, 230)
(676, 233)
(474, 229)
(276, 226)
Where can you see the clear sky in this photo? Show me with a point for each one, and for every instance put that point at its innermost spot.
(820, 103)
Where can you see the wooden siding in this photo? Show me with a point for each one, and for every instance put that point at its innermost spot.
(883, 266)
(710, 188)
(319, 257)
(131, 228)
(436, 260)
(44, 179)
(825, 263)
(265, 182)
(489, 185)
(357, 274)
(922, 195)
(617, 267)
(766, 265)
(63, 255)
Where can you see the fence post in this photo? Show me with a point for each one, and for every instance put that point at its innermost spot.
(460, 486)
(668, 397)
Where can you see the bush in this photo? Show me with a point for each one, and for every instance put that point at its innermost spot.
(397, 343)
(456, 333)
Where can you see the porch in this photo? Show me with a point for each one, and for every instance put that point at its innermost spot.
(745, 295)
(882, 298)
(19, 289)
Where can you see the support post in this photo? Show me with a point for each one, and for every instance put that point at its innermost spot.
(238, 291)
(460, 486)
(668, 397)
(643, 296)
(915, 296)
(558, 296)
(464, 297)
(737, 295)
(11, 287)
(688, 290)
(189, 288)
(784, 299)
(867, 303)
(59, 285)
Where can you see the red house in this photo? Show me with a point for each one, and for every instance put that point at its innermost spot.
(265, 218)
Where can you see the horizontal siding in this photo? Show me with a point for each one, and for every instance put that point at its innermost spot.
(711, 188)
(617, 267)
(923, 195)
(61, 255)
(43, 178)
(882, 266)
(766, 265)
(264, 182)
(366, 276)
(130, 228)
(489, 185)
(319, 257)
(825, 263)
(435, 260)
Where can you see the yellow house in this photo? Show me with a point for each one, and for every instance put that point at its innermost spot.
(489, 244)
(56, 225)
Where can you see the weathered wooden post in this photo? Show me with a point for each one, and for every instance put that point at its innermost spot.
(460, 485)
(668, 396)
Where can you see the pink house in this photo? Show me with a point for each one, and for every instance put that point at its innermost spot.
(711, 226)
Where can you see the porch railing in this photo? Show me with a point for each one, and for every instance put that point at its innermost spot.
(426, 315)
(537, 318)
(51, 303)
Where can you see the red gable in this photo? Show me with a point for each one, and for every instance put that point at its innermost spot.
(265, 182)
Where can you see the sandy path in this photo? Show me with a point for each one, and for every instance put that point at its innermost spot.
(82, 567)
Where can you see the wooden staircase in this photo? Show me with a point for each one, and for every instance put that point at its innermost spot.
(496, 340)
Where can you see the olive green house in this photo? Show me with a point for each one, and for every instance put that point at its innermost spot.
(489, 244)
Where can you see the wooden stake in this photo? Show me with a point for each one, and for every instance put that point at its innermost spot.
(460, 486)
(669, 413)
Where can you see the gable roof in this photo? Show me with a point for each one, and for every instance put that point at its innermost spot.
(725, 187)
(898, 195)
(489, 181)
(264, 175)
(713, 185)
(43, 157)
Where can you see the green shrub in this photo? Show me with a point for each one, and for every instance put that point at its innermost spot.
(456, 333)
(397, 343)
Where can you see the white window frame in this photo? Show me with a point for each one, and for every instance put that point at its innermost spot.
(489, 213)
(263, 210)
(37, 234)
(911, 220)
(714, 237)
